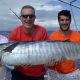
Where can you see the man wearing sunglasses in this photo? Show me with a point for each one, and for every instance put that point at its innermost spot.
(28, 31)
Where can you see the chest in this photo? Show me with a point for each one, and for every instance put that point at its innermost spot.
(36, 35)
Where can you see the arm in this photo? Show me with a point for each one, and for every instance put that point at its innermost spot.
(13, 35)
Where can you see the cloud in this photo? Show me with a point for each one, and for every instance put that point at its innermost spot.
(48, 23)
(46, 12)
(49, 8)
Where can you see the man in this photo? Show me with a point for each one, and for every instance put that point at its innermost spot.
(28, 31)
(66, 69)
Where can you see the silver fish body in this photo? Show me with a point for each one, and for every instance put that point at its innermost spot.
(40, 52)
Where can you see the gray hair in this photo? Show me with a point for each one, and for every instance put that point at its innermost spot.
(28, 6)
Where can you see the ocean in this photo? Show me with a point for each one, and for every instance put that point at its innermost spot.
(5, 33)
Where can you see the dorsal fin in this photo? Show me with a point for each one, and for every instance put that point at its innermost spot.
(11, 47)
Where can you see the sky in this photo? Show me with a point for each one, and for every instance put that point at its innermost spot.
(46, 13)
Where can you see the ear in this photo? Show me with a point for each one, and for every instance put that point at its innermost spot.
(20, 18)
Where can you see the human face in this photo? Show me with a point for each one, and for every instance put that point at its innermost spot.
(64, 23)
(27, 18)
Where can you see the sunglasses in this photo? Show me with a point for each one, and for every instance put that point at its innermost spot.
(26, 16)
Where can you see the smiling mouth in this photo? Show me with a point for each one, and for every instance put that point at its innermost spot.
(28, 23)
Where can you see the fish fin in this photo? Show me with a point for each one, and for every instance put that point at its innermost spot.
(11, 47)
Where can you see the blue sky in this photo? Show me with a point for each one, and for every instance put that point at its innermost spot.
(46, 12)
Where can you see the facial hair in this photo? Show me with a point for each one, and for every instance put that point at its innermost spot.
(64, 30)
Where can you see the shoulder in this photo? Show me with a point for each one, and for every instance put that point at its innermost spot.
(54, 33)
(17, 28)
(15, 32)
(75, 32)
(75, 36)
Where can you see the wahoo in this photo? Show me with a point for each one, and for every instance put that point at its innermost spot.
(38, 52)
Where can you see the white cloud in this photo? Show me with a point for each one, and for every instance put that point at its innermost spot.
(48, 23)
(49, 8)
(46, 11)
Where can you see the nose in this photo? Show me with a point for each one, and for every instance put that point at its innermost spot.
(28, 18)
(64, 21)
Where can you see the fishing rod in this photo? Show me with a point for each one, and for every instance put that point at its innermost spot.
(11, 10)
(73, 1)
(73, 14)
(14, 13)
(69, 3)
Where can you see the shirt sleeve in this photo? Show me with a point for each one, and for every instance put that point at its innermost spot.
(51, 37)
(12, 36)
(44, 35)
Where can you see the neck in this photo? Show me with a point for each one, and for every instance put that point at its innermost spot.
(65, 33)
(28, 30)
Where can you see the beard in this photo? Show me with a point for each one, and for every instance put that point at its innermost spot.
(64, 30)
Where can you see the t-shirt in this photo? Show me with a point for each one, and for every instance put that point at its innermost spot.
(66, 66)
(37, 33)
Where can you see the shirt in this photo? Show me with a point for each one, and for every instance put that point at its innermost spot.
(66, 66)
(37, 33)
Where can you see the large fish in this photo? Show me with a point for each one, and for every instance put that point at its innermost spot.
(39, 52)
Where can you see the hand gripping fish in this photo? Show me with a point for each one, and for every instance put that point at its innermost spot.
(38, 52)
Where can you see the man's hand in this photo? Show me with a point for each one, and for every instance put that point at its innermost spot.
(53, 62)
